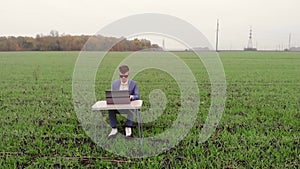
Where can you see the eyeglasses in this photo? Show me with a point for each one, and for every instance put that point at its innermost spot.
(121, 76)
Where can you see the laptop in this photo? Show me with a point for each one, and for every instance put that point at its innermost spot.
(117, 97)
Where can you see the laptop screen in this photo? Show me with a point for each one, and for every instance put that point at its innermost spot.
(117, 97)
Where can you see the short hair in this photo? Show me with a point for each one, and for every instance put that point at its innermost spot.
(123, 69)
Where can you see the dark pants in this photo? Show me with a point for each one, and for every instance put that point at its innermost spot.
(113, 117)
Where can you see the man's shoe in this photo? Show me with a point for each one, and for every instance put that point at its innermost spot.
(128, 132)
(113, 132)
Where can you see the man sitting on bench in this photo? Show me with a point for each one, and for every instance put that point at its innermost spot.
(123, 84)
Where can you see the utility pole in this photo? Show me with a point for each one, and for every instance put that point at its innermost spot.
(250, 44)
(290, 40)
(217, 36)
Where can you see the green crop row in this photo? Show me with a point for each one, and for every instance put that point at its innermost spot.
(259, 128)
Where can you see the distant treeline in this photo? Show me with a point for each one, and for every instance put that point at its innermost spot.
(294, 49)
(54, 42)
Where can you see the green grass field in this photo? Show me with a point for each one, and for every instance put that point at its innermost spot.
(259, 128)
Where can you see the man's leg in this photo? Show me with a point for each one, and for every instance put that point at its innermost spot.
(112, 118)
(113, 122)
(129, 118)
(128, 131)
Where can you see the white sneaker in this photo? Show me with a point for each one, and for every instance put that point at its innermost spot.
(113, 132)
(128, 131)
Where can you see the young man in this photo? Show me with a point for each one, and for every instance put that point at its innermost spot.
(123, 84)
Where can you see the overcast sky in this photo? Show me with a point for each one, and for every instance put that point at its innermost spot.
(272, 20)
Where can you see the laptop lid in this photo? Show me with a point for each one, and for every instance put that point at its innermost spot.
(117, 97)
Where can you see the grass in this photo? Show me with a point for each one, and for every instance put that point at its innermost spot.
(259, 128)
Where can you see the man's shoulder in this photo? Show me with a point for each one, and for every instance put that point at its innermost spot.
(115, 84)
(116, 81)
(132, 81)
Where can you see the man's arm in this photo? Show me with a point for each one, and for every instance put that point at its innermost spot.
(135, 92)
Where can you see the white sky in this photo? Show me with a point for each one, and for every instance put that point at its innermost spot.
(272, 20)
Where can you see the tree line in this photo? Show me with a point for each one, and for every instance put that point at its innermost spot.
(56, 42)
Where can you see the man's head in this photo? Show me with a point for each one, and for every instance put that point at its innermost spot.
(124, 73)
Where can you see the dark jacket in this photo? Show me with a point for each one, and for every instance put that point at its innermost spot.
(132, 87)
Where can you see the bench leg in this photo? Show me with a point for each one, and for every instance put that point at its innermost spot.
(140, 126)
